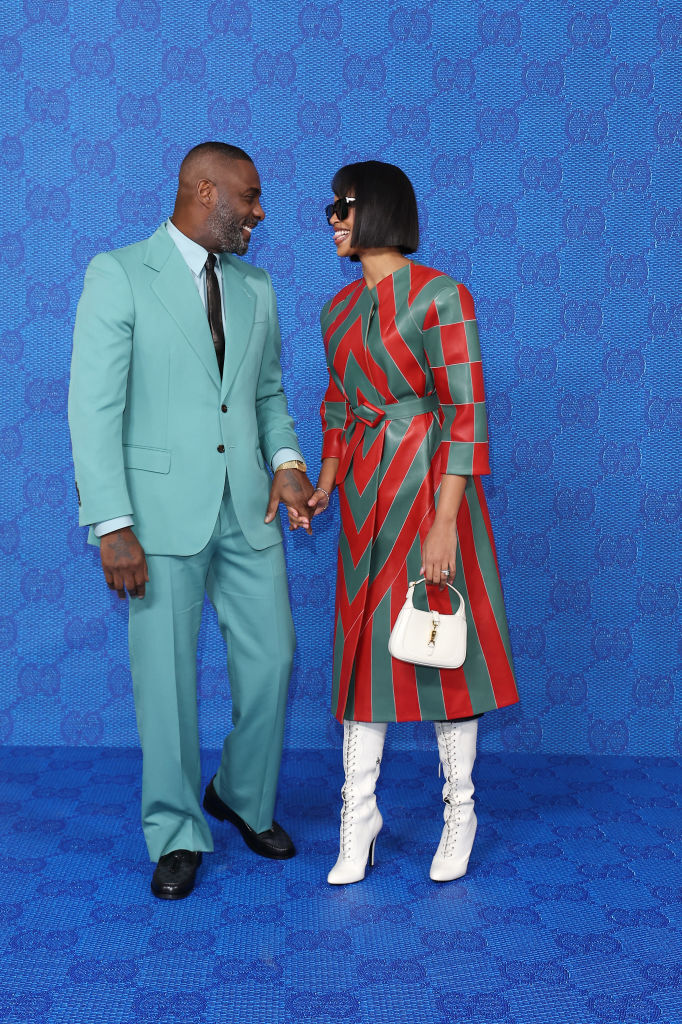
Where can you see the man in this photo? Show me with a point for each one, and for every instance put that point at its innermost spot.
(175, 405)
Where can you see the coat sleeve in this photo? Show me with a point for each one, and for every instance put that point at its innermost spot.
(454, 355)
(335, 409)
(335, 415)
(275, 425)
(102, 349)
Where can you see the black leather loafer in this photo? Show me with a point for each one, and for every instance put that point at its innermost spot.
(175, 874)
(273, 843)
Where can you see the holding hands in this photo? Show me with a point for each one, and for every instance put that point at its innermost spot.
(292, 487)
(318, 501)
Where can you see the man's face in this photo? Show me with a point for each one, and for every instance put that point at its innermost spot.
(237, 208)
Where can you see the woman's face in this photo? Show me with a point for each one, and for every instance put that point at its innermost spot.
(343, 229)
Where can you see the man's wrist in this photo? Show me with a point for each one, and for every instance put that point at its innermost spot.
(292, 464)
(105, 526)
(285, 455)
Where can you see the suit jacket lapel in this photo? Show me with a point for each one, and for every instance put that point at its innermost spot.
(177, 291)
(240, 305)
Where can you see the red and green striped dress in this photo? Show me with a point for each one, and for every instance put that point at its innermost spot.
(404, 405)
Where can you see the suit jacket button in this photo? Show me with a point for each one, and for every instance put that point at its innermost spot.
(221, 448)
(223, 408)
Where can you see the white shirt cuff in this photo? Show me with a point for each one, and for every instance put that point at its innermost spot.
(285, 455)
(109, 525)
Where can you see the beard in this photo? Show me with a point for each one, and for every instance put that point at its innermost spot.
(226, 228)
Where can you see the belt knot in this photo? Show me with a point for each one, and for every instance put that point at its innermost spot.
(372, 415)
(368, 414)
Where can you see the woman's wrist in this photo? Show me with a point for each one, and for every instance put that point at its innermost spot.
(327, 478)
(445, 519)
(452, 488)
(325, 482)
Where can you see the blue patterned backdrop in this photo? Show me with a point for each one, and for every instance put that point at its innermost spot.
(543, 139)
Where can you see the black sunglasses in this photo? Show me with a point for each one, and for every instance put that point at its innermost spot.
(338, 207)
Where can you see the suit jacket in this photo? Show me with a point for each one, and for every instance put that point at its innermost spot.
(154, 430)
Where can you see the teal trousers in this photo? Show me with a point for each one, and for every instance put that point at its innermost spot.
(248, 590)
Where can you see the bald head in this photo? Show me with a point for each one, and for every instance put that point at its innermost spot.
(218, 198)
(203, 159)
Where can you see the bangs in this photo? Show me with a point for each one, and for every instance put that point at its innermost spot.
(386, 213)
(344, 182)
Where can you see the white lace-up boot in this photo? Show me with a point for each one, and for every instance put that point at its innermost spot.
(457, 749)
(363, 743)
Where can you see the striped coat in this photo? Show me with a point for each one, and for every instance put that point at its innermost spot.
(388, 349)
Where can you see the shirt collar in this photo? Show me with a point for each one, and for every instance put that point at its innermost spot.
(192, 253)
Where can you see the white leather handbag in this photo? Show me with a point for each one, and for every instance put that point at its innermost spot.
(429, 638)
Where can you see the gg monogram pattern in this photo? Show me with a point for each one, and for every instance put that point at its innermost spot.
(543, 140)
(569, 912)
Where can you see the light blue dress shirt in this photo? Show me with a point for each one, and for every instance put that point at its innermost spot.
(195, 257)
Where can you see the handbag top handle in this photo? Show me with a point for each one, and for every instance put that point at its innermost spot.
(422, 579)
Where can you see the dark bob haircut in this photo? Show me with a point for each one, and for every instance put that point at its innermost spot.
(386, 208)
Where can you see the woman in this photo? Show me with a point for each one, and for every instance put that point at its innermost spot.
(405, 441)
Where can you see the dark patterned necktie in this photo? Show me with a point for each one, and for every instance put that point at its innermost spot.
(214, 308)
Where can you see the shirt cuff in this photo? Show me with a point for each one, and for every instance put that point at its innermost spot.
(285, 455)
(109, 525)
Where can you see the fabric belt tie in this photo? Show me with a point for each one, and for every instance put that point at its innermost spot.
(373, 415)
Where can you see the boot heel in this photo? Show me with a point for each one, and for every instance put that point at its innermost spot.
(361, 821)
(346, 870)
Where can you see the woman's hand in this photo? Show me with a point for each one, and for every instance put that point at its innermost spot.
(318, 502)
(440, 547)
(438, 554)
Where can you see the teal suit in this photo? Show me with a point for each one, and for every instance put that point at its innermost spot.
(157, 434)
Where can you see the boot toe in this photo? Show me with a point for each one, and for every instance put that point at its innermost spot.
(346, 872)
(447, 870)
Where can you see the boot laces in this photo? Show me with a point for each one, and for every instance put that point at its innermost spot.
(452, 824)
(346, 825)
(349, 798)
(452, 813)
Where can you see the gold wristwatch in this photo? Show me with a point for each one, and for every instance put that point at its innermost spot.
(292, 464)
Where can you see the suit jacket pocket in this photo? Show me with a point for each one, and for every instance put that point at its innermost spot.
(154, 460)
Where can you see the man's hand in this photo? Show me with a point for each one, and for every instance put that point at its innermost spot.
(123, 562)
(317, 503)
(293, 488)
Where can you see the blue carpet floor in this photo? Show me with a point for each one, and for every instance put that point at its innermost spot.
(571, 911)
